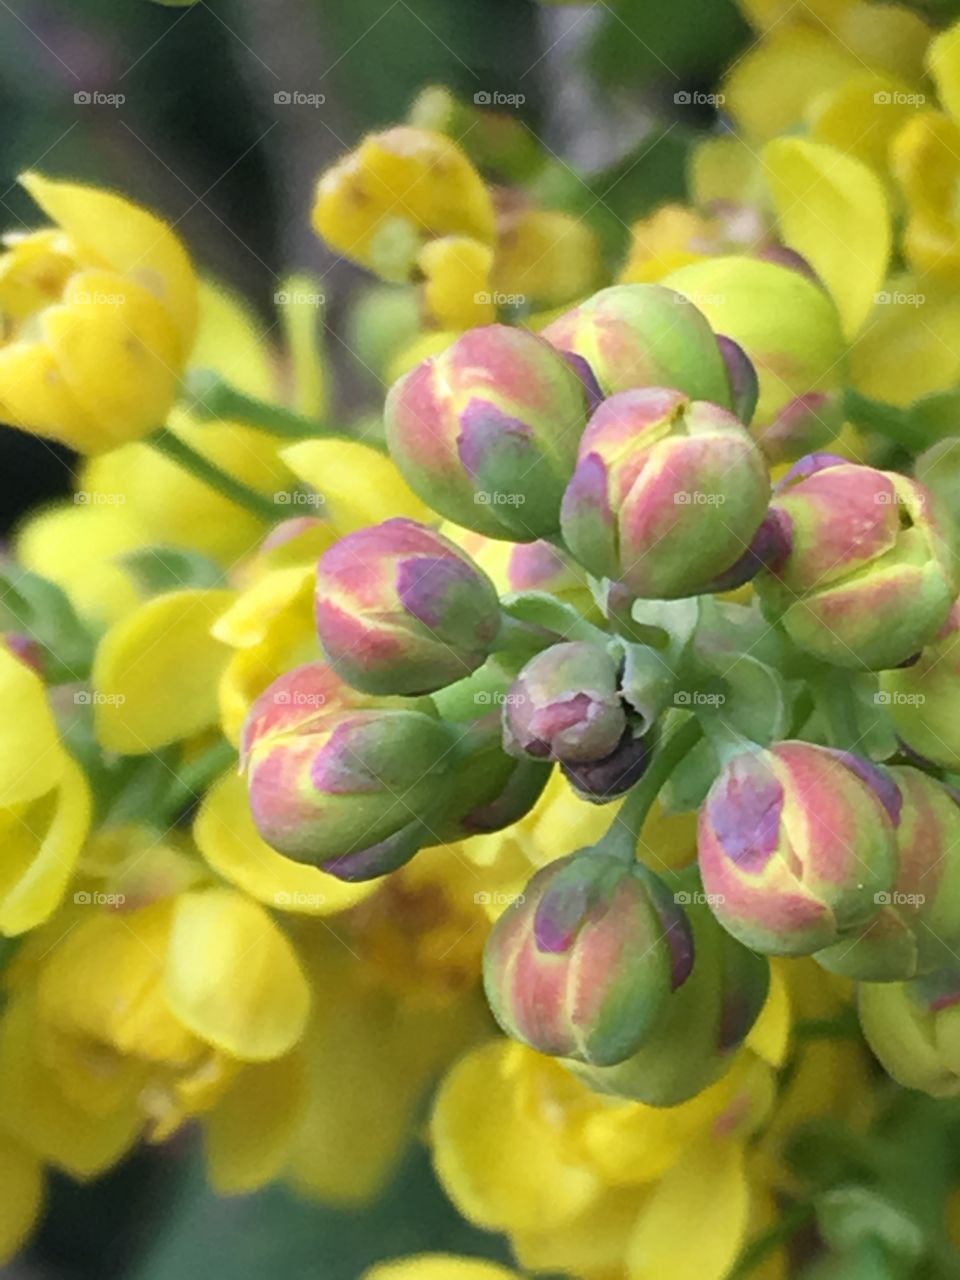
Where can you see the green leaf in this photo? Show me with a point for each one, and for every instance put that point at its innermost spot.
(161, 569)
(39, 608)
(848, 1216)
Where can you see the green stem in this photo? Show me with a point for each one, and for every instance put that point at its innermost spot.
(834, 699)
(787, 1225)
(885, 419)
(194, 778)
(621, 836)
(211, 397)
(178, 451)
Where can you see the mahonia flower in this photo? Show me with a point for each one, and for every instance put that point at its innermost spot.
(98, 319)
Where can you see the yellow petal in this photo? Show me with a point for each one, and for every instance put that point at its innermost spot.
(233, 978)
(546, 258)
(156, 672)
(770, 1034)
(398, 188)
(118, 352)
(35, 397)
(249, 1133)
(121, 235)
(862, 116)
(438, 1266)
(78, 546)
(231, 844)
(44, 862)
(457, 286)
(33, 1109)
(764, 14)
(360, 485)
(726, 169)
(31, 757)
(21, 1176)
(527, 1184)
(925, 158)
(833, 211)
(248, 619)
(910, 345)
(230, 339)
(769, 89)
(943, 59)
(708, 1187)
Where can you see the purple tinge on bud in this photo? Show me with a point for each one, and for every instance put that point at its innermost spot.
(402, 610)
(794, 848)
(744, 386)
(768, 548)
(602, 780)
(565, 705)
(591, 386)
(746, 812)
(582, 965)
(809, 466)
(878, 779)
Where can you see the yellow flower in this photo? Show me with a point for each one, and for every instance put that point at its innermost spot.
(438, 1266)
(98, 319)
(381, 203)
(545, 258)
(21, 1174)
(45, 803)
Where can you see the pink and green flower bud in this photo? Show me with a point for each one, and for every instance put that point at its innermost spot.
(565, 705)
(488, 789)
(643, 335)
(914, 1030)
(600, 781)
(701, 1024)
(351, 788)
(795, 845)
(923, 699)
(402, 610)
(581, 966)
(486, 433)
(668, 494)
(871, 570)
(917, 926)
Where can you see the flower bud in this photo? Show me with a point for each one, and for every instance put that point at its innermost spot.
(340, 782)
(600, 781)
(914, 1029)
(667, 495)
(795, 846)
(917, 926)
(700, 1026)
(489, 790)
(487, 431)
(643, 335)
(564, 705)
(402, 610)
(582, 964)
(871, 569)
(924, 698)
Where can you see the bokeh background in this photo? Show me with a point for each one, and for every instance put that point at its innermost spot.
(204, 113)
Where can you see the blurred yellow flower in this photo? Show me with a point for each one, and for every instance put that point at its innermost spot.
(98, 319)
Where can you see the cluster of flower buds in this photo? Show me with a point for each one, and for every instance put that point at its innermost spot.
(601, 965)
(614, 451)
